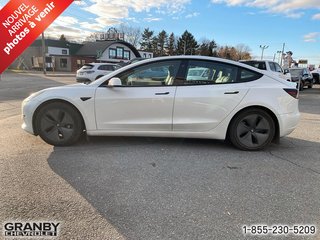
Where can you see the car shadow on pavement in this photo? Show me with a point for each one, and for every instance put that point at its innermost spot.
(160, 188)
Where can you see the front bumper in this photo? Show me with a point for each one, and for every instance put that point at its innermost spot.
(27, 116)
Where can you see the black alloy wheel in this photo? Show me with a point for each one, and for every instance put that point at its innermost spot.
(252, 129)
(59, 124)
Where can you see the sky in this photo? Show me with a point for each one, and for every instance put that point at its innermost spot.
(254, 23)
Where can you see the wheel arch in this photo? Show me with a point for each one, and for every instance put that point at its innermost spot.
(276, 137)
(54, 101)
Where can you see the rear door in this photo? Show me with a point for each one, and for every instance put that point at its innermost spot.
(201, 104)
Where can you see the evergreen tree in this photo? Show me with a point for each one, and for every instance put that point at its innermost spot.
(171, 49)
(147, 40)
(162, 41)
(187, 45)
(154, 46)
(207, 47)
(63, 38)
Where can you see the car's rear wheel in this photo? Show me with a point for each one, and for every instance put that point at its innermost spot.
(252, 129)
(59, 124)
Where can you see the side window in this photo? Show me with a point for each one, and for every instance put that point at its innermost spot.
(247, 75)
(272, 67)
(278, 68)
(152, 74)
(106, 67)
(205, 72)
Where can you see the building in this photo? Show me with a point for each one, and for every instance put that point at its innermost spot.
(65, 56)
(113, 51)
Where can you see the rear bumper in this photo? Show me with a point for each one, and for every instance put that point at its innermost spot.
(288, 123)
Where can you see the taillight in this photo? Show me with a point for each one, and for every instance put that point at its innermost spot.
(292, 92)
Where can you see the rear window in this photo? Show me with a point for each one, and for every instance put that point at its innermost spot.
(247, 75)
(259, 65)
(296, 72)
(87, 66)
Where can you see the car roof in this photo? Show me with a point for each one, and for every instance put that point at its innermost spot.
(183, 57)
(93, 63)
(258, 61)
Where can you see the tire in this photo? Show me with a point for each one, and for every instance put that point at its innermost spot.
(252, 130)
(59, 124)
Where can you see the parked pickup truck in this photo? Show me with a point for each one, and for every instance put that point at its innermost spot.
(269, 66)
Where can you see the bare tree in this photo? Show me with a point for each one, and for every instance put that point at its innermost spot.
(91, 38)
(131, 34)
(243, 52)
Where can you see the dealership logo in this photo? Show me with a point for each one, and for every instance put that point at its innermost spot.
(31, 229)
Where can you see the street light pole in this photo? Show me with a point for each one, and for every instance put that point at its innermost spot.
(43, 54)
(263, 47)
(283, 46)
(184, 47)
(279, 52)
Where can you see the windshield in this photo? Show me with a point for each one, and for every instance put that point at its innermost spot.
(296, 72)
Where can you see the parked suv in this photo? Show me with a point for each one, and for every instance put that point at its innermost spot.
(92, 71)
(302, 74)
(316, 73)
(269, 66)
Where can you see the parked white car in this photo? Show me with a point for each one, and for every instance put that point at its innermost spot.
(248, 106)
(92, 71)
(270, 66)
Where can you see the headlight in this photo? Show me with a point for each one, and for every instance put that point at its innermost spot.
(33, 95)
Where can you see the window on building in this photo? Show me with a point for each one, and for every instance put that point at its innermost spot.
(145, 55)
(112, 53)
(150, 56)
(120, 52)
(63, 63)
(126, 55)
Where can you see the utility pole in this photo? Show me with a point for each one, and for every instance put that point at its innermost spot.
(263, 47)
(283, 46)
(43, 54)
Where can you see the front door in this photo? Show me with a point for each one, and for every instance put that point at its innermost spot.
(144, 101)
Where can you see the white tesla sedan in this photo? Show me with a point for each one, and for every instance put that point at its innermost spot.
(233, 101)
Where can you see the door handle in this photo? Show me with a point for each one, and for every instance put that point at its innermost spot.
(162, 93)
(235, 92)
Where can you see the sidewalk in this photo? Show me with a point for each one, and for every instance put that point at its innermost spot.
(49, 73)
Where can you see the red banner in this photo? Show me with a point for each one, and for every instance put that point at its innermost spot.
(21, 22)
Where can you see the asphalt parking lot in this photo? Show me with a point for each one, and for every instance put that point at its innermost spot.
(156, 188)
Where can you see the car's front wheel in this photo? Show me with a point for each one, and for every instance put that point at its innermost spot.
(59, 124)
(252, 129)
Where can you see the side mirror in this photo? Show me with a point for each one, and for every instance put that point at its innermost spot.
(285, 71)
(113, 82)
